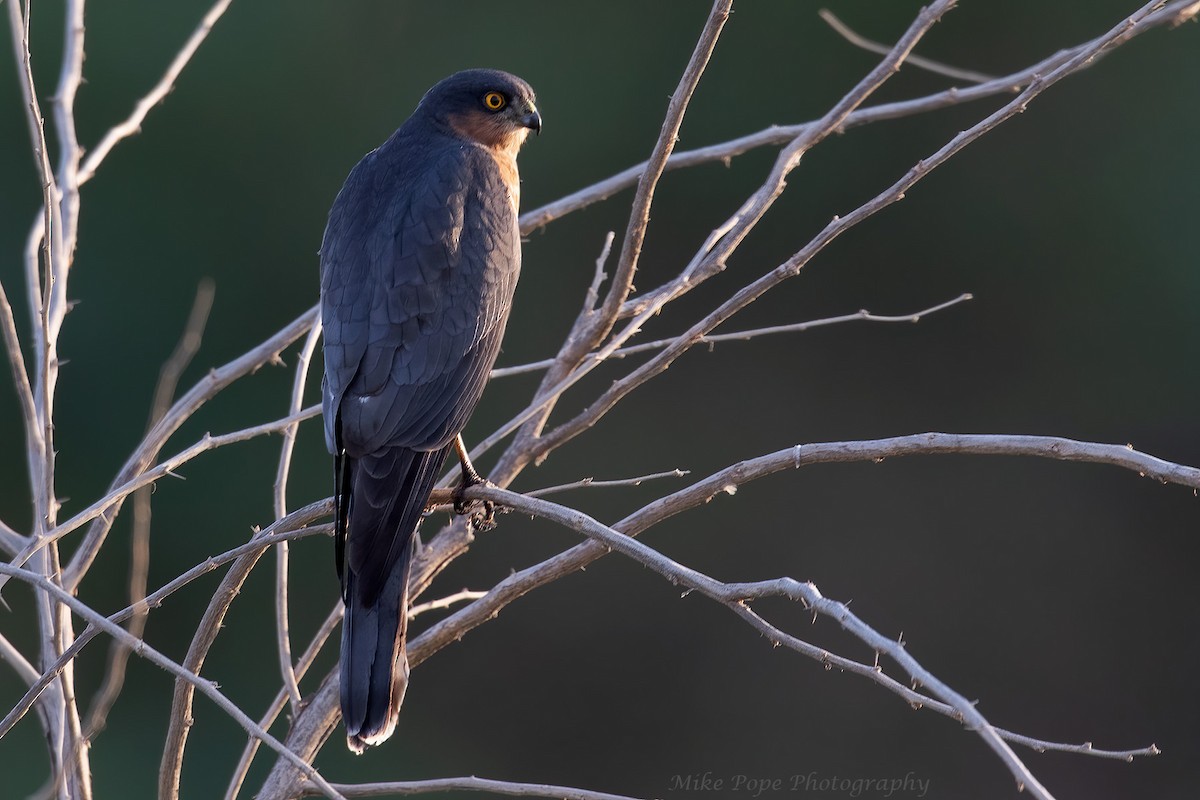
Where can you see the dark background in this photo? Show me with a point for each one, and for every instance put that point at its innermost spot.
(1060, 595)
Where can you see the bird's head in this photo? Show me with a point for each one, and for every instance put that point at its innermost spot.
(488, 106)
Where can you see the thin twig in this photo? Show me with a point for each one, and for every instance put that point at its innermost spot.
(20, 373)
(639, 216)
(937, 67)
(742, 336)
(282, 636)
(63, 105)
(590, 483)
(445, 602)
(592, 296)
(133, 123)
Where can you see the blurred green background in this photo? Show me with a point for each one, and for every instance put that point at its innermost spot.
(1059, 595)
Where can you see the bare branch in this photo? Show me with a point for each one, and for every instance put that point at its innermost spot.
(41, 459)
(591, 483)
(444, 602)
(25, 671)
(283, 639)
(929, 64)
(469, 784)
(742, 336)
(12, 346)
(727, 480)
(320, 714)
(133, 123)
(206, 687)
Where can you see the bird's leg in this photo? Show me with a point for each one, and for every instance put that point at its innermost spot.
(470, 477)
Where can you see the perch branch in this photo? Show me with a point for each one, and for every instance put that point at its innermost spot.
(320, 714)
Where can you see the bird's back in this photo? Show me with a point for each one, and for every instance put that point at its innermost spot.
(419, 264)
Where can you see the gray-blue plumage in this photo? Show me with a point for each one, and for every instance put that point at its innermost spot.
(419, 262)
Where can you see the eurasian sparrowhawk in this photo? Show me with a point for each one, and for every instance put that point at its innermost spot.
(418, 266)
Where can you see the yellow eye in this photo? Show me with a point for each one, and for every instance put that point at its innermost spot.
(494, 101)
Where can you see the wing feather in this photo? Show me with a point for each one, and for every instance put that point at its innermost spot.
(415, 295)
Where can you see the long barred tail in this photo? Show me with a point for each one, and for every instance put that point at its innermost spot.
(387, 493)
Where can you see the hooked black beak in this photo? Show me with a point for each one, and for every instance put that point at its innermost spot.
(533, 121)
